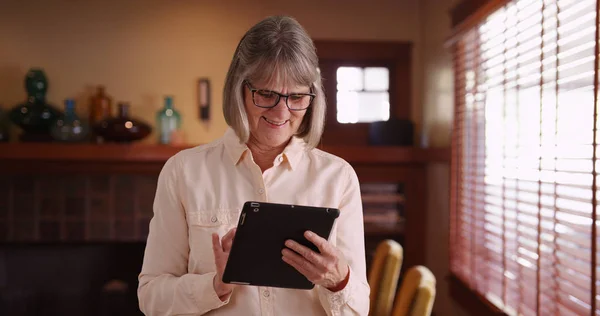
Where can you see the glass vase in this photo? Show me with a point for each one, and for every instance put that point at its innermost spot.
(35, 116)
(168, 121)
(69, 127)
(122, 128)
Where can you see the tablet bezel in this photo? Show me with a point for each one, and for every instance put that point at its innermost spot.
(255, 256)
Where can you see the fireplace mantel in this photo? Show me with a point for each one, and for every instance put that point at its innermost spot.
(54, 192)
(30, 153)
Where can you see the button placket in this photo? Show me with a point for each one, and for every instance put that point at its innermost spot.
(259, 184)
(265, 301)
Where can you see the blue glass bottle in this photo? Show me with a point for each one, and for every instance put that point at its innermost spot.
(68, 127)
(168, 121)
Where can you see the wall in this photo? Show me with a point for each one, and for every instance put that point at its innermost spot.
(143, 49)
(437, 109)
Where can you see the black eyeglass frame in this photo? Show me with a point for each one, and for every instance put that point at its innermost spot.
(279, 96)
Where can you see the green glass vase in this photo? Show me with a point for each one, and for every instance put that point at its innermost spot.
(35, 116)
(168, 121)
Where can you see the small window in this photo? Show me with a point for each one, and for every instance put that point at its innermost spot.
(363, 94)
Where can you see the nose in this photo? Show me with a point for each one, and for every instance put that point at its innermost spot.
(280, 105)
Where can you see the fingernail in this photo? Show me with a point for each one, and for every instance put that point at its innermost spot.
(289, 243)
(309, 233)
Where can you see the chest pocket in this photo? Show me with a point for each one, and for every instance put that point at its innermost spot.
(213, 218)
(202, 224)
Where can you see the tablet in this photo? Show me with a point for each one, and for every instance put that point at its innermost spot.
(255, 257)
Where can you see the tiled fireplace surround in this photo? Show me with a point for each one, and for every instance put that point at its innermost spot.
(74, 220)
(76, 208)
(73, 244)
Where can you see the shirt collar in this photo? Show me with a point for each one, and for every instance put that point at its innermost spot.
(293, 151)
(236, 149)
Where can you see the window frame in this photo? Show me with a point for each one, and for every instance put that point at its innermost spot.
(396, 56)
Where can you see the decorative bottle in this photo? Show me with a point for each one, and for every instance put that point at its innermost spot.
(168, 121)
(123, 128)
(35, 116)
(100, 110)
(69, 127)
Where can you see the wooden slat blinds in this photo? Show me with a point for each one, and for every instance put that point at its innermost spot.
(524, 169)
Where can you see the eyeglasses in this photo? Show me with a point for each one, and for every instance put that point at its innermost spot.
(269, 99)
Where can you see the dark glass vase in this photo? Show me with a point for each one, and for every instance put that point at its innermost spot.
(35, 116)
(122, 128)
(69, 127)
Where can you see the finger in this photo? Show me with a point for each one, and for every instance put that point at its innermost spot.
(309, 269)
(299, 263)
(299, 268)
(324, 246)
(230, 233)
(307, 253)
(217, 249)
(227, 240)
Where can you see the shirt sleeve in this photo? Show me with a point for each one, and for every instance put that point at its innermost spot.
(165, 286)
(354, 298)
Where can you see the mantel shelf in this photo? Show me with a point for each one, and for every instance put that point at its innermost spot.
(150, 153)
(52, 182)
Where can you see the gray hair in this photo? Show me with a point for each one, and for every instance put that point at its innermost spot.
(277, 48)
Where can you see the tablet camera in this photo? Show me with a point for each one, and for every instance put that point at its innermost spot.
(255, 210)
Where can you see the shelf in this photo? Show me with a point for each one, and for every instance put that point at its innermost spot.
(87, 152)
(376, 228)
(149, 153)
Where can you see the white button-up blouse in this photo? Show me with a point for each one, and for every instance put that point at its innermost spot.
(202, 190)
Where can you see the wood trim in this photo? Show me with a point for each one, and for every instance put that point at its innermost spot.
(469, 300)
(375, 50)
(460, 12)
(416, 231)
(87, 152)
(474, 19)
(389, 154)
(143, 153)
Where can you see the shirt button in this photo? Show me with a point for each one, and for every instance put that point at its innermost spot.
(280, 159)
(213, 219)
(266, 294)
(261, 191)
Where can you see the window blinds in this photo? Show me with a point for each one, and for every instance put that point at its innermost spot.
(523, 210)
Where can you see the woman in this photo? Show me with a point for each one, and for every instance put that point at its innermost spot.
(275, 107)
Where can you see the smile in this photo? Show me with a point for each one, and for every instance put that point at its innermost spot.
(275, 122)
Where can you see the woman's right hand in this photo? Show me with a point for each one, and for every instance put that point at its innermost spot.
(221, 251)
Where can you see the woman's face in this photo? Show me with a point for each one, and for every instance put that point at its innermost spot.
(274, 126)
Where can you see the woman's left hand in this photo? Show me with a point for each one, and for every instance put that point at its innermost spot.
(328, 269)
